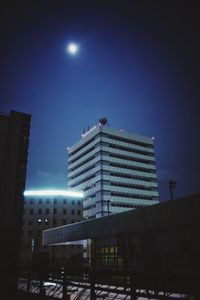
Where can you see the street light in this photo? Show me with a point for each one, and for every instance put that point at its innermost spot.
(108, 206)
(172, 185)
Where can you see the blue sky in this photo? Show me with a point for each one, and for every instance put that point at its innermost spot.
(138, 65)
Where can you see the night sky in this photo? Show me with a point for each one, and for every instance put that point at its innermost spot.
(138, 65)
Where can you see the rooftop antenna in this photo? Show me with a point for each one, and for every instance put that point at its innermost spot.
(103, 121)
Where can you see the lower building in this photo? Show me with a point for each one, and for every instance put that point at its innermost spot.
(151, 248)
(45, 209)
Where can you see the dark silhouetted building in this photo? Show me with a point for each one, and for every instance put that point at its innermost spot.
(14, 143)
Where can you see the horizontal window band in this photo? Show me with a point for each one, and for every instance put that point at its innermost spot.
(81, 147)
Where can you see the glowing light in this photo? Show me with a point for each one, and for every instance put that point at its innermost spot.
(72, 48)
(53, 193)
(91, 129)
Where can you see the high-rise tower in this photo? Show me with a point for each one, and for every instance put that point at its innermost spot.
(115, 170)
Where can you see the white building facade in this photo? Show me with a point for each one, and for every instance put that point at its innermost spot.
(115, 169)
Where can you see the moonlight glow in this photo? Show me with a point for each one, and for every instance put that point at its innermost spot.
(72, 48)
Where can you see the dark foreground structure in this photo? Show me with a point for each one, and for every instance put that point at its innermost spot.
(14, 143)
(150, 251)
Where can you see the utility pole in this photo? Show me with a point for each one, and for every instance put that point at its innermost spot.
(172, 185)
(108, 205)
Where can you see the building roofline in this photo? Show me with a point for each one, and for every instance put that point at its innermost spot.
(53, 193)
(115, 132)
(165, 215)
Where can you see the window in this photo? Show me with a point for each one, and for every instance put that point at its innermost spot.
(64, 221)
(78, 212)
(47, 211)
(73, 202)
(47, 201)
(73, 212)
(64, 201)
(31, 211)
(55, 211)
(39, 211)
(79, 202)
(40, 201)
(64, 211)
(55, 201)
(54, 222)
(39, 221)
(30, 222)
(31, 201)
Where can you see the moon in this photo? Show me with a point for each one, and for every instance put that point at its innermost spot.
(72, 48)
